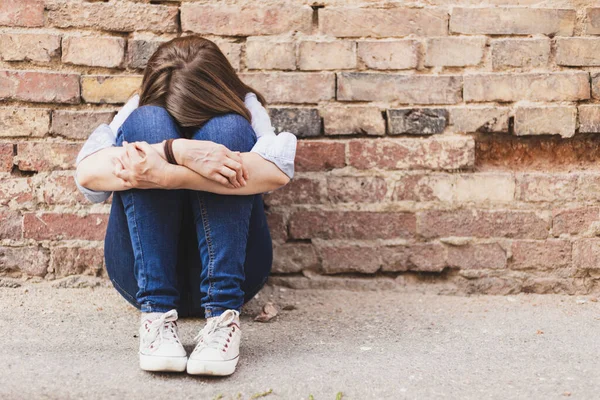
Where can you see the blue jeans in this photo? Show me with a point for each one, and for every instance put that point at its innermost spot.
(198, 252)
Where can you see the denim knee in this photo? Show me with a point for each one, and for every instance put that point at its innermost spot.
(150, 124)
(231, 130)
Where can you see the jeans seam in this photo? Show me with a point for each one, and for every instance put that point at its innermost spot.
(211, 254)
(137, 234)
(124, 292)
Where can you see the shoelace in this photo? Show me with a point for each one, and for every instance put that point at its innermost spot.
(217, 331)
(164, 328)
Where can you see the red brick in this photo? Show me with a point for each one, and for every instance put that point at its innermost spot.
(298, 191)
(16, 192)
(574, 221)
(477, 256)
(59, 188)
(27, 13)
(277, 226)
(540, 255)
(30, 261)
(6, 157)
(320, 155)
(11, 225)
(293, 87)
(57, 226)
(540, 187)
(126, 17)
(348, 259)
(383, 22)
(482, 223)
(234, 20)
(77, 261)
(78, 125)
(586, 254)
(449, 153)
(294, 257)
(19, 121)
(39, 156)
(39, 87)
(356, 189)
(403, 89)
(351, 225)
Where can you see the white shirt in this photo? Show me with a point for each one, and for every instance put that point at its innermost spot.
(279, 149)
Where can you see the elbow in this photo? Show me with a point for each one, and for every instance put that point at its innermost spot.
(82, 178)
(282, 180)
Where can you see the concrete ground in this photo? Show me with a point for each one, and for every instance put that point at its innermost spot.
(80, 343)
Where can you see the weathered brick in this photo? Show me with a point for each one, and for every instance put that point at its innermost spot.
(40, 156)
(37, 47)
(479, 119)
(417, 121)
(586, 254)
(540, 255)
(512, 21)
(389, 54)
(542, 187)
(277, 226)
(574, 220)
(302, 122)
(327, 55)
(351, 225)
(353, 120)
(477, 256)
(460, 189)
(389, 22)
(405, 89)
(482, 224)
(425, 257)
(15, 122)
(109, 89)
(348, 259)
(267, 53)
(64, 226)
(65, 261)
(588, 187)
(356, 189)
(294, 257)
(450, 152)
(233, 20)
(589, 118)
(26, 13)
(320, 155)
(522, 53)
(30, 261)
(11, 226)
(298, 191)
(294, 87)
(593, 21)
(16, 192)
(78, 125)
(596, 85)
(454, 51)
(6, 157)
(139, 52)
(42, 87)
(546, 120)
(127, 17)
(59, 188)
(560, 86)
(231, 50)
(577, 52)
(106, 52)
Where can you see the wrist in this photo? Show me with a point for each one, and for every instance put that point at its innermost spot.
(179, 151)
(168, 178)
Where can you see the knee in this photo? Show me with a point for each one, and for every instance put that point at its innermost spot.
(231, 130)
(150, 124)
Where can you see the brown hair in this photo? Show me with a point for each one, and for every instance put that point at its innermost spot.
(193, 80)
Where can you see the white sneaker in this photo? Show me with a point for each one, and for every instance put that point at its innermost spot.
(160, 347)
(218, 348)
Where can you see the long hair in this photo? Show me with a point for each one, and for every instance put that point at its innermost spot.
(193, 80)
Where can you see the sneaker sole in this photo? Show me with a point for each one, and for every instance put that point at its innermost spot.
(162, 364)
(216, 368)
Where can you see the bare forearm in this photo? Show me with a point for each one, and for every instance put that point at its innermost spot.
(95, 172)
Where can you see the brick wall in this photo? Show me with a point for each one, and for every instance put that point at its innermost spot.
(453, 144)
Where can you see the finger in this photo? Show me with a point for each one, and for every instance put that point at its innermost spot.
(230, 174)
(133, 153)
(144, 147)
(244, 168)
(220, 179)
(237, 167)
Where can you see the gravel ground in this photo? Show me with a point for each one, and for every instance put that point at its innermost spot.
(80, 343)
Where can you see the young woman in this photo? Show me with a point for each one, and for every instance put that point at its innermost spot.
(187, 233)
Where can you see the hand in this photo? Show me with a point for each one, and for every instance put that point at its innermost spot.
(213, 161)
(141, 167)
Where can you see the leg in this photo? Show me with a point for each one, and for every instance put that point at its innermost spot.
(223, 224)
(153, 217)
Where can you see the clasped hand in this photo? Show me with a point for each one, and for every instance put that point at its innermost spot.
(141, 166)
